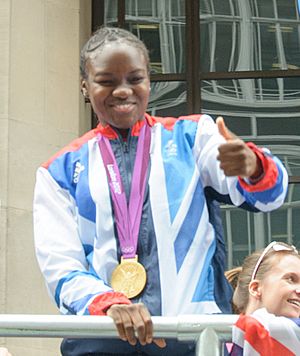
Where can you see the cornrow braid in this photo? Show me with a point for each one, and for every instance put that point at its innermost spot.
(106, 35)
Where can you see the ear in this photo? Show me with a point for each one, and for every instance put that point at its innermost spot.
(84, 90)
(254, 289)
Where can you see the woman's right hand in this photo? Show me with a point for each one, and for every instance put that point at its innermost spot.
(134, 323)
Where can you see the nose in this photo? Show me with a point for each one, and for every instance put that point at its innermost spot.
(122, 91)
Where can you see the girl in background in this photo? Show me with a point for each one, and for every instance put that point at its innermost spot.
(268, 297)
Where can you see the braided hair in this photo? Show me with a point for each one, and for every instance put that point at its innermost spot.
(105, 35)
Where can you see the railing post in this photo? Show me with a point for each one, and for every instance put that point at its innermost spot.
(208, 344)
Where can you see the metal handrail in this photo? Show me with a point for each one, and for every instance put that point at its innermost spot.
(208, 330)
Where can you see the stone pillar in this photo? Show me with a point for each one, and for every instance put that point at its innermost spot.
(41, 110)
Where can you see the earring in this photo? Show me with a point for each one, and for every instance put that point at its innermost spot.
(84, 92)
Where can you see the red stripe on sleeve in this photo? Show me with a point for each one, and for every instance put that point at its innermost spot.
(270, 174)
(103, 301)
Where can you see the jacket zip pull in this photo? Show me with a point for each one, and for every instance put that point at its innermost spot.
(125, 146)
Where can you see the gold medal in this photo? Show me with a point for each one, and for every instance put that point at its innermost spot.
(129, 277)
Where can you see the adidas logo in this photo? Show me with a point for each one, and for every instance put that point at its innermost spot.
(78, 169)
(171, 148)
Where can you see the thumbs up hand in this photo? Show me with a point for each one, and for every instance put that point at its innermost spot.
(236, 158)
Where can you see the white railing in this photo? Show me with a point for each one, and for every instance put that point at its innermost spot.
(209, 331)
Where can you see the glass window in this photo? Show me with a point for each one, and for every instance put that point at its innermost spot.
(142, 8)
(161, 25)
(291, 45)
(167, 99)
(265, 55)
(286, 9)
(246, 231)
(111, 12)
(232, 61)
(262, 8)
(279, 126)
(244, 38)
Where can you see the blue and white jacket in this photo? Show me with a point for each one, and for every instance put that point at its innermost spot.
(180, 240)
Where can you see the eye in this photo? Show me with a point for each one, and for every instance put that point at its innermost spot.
(136, 79)
(291, 278)
(105, 83)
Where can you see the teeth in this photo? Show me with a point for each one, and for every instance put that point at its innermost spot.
(123, 107)
(293, 301)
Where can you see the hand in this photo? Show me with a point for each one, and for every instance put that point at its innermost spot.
(4, 352)
(236, 158)
(132, 320)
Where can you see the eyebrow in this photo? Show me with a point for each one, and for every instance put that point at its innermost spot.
(112, 73)
(291, 273)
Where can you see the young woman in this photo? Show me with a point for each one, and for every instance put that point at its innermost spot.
(268, 296)
(126, 219)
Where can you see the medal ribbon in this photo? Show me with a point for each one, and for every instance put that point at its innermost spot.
(127, 217)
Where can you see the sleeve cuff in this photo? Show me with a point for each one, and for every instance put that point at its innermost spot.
(267, 179)
(103, 301)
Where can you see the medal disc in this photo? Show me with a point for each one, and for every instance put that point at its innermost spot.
(129, 277)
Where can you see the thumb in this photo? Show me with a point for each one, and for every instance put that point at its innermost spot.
(223, 130)
(160, 342)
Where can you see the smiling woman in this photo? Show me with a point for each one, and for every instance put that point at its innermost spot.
(129, 210)
(117, 84)
(267, 295)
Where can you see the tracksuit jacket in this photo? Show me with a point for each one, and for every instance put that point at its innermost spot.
(180, 240)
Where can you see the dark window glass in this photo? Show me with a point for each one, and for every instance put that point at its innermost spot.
(222, 7)
(291, 44)
(284, 126)
(149, 34)
(168, 99)
(246, 232)
(265, 50)
(263, 8)
(161, 25)
(286, 9)
(262, 110)
(142, 8)
(236, 36)
(111, 12)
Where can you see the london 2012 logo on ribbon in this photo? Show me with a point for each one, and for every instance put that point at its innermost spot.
(113, 179)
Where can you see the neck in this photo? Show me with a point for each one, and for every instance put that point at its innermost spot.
(122, 132)
(252, 306)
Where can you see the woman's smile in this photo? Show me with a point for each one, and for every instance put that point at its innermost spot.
(118, 85)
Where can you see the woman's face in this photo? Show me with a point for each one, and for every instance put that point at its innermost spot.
(280, 289)
(117, 84)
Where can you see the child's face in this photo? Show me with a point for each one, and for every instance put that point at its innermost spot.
(280, 289)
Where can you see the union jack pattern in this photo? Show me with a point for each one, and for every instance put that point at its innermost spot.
(265, 334)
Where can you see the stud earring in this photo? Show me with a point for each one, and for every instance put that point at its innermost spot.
(85, 95)
(84, 92)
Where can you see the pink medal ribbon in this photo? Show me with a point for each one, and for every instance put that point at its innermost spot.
(127, 217)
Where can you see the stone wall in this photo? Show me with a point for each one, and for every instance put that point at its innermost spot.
(41, 110)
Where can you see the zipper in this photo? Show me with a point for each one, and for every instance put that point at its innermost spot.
(126, 163)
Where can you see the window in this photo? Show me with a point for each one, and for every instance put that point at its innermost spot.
(238, 59)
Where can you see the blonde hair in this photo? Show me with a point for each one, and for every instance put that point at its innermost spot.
(240, 277)
(232, 276)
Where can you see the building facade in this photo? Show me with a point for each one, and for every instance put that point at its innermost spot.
(235, 58)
